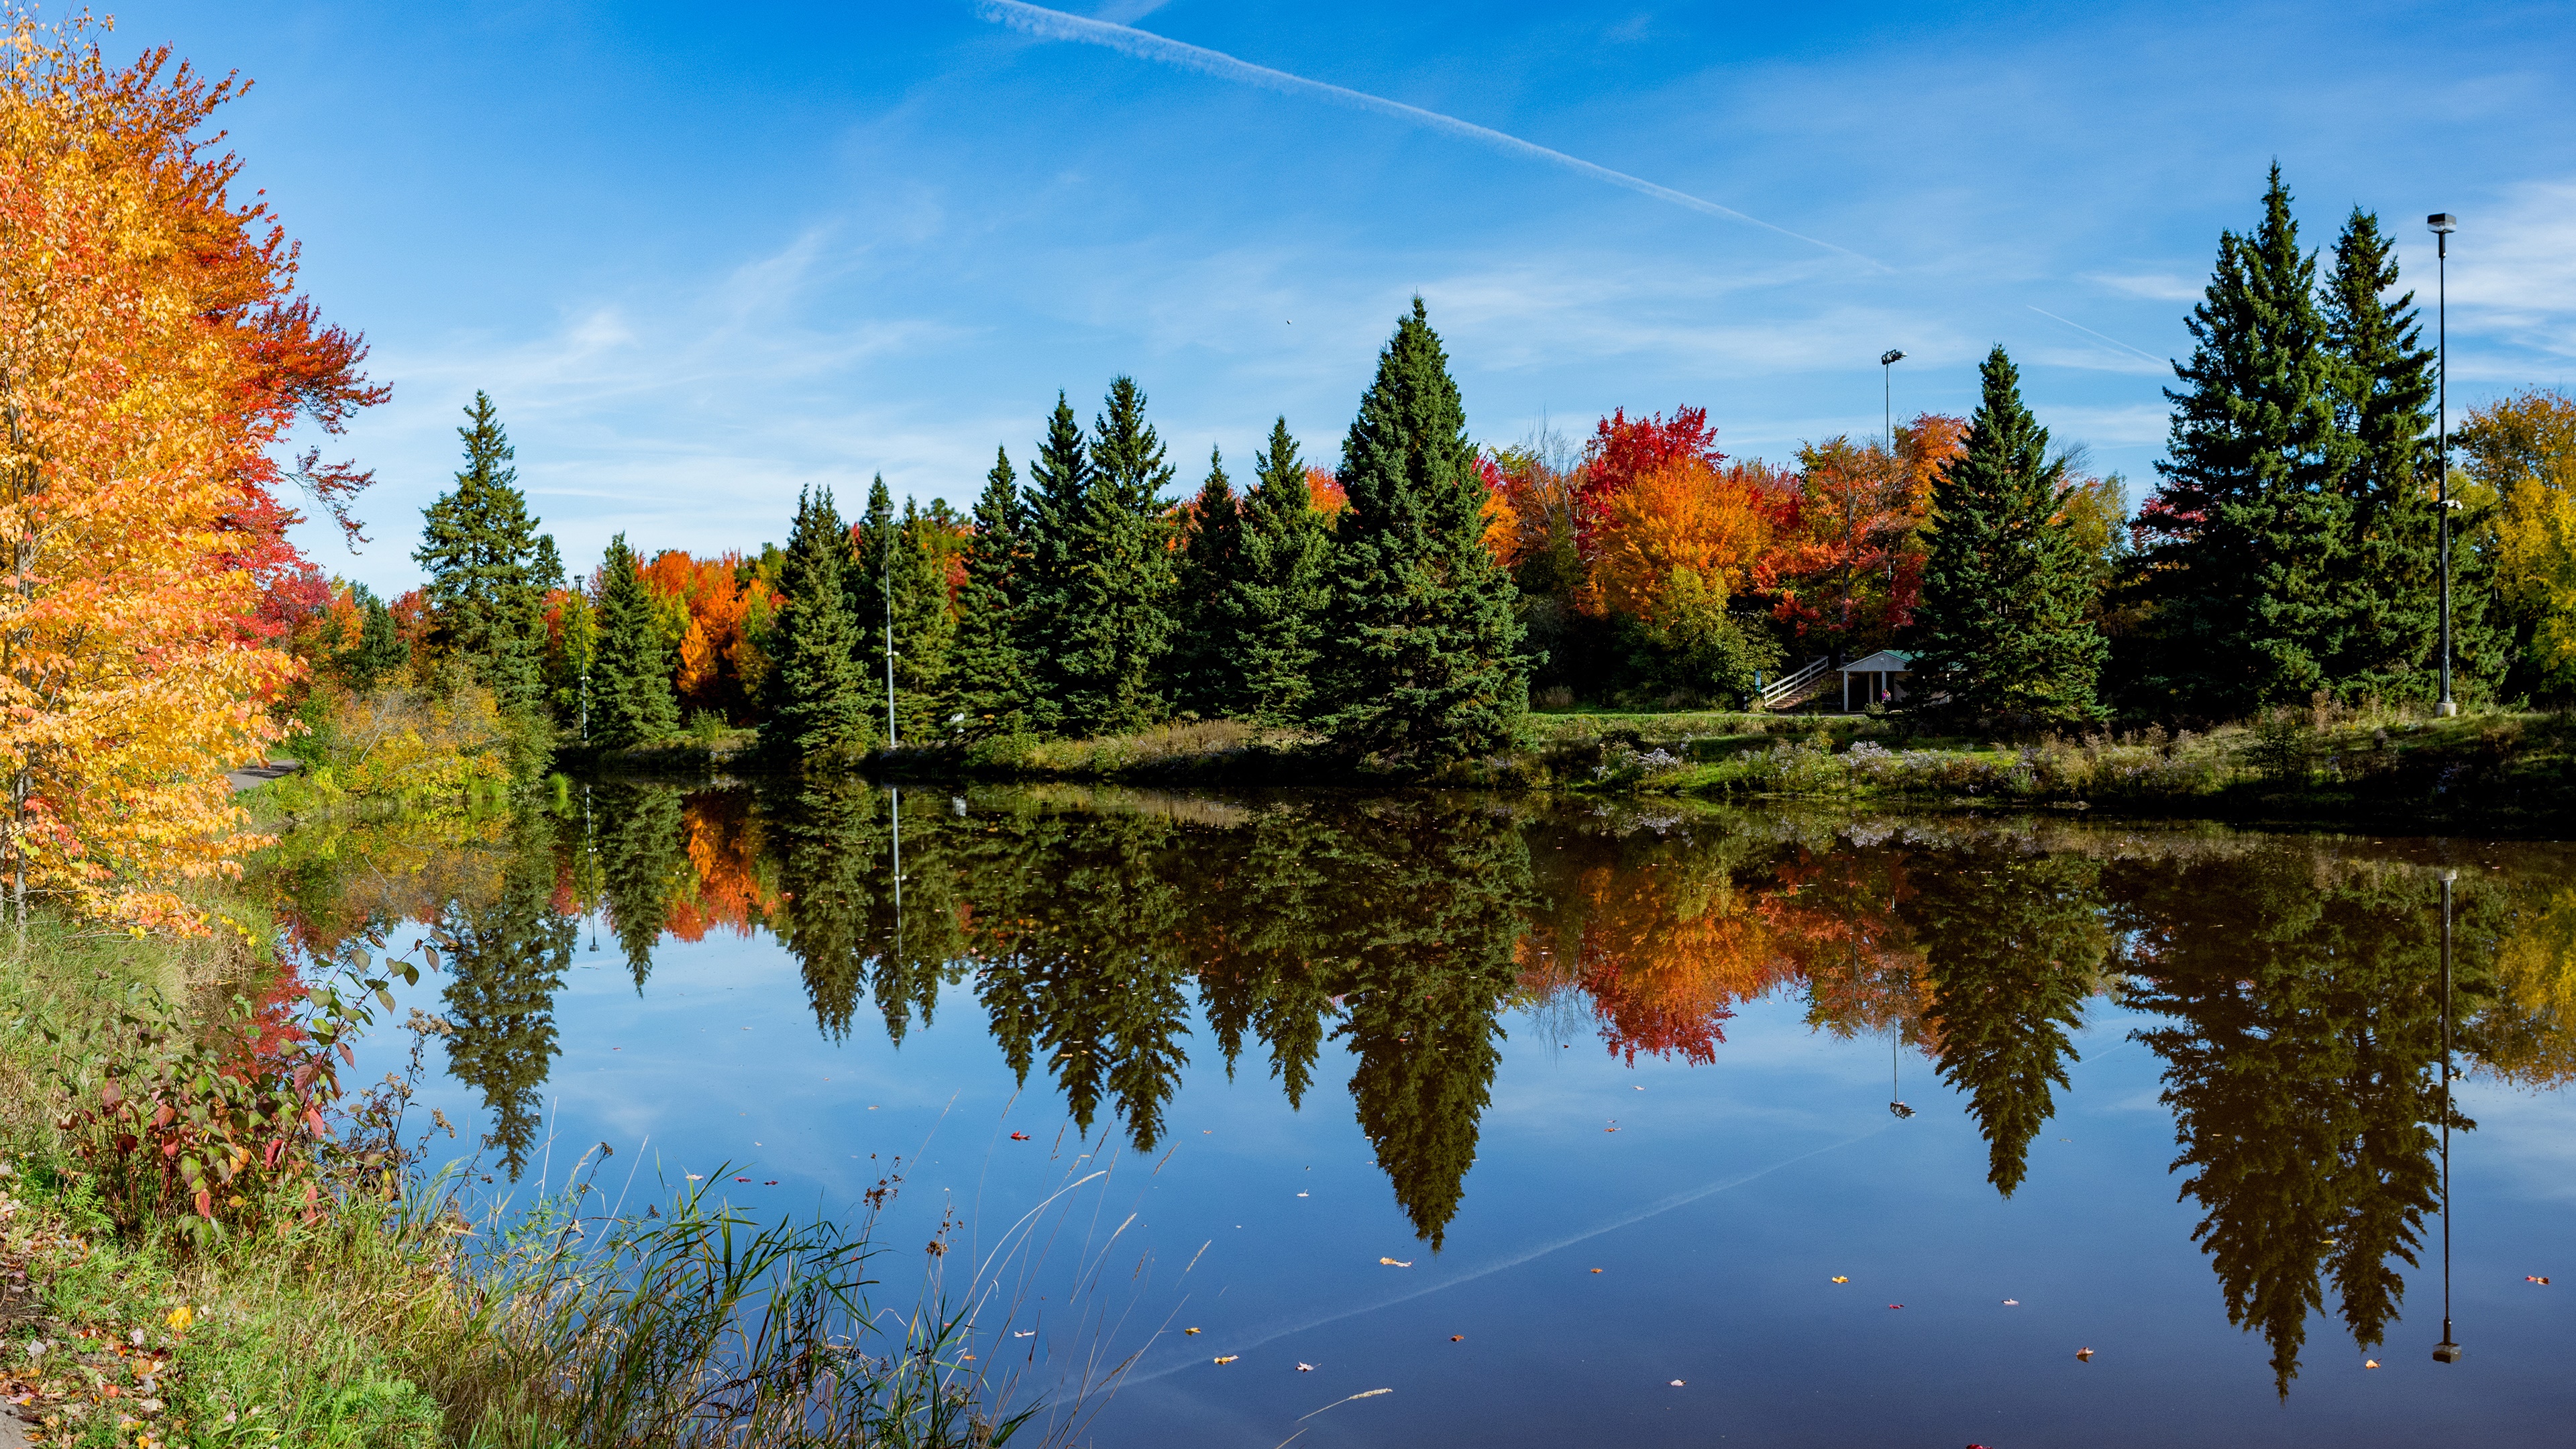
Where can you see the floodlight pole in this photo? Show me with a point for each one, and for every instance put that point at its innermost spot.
(1887, 377)
(2443, 224)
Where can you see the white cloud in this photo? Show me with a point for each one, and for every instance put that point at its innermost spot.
(2154, 286)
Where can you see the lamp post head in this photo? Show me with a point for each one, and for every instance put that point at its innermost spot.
(2446, 1352)
(2443, 222)
(1890, 357)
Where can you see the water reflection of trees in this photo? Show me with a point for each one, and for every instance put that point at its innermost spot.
(2302, 1061)
(2291, 989)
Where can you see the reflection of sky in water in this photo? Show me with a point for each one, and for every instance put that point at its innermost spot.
(1718, 1212)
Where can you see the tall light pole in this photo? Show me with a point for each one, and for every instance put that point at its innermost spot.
(2443, 224)
(2448, 1350)
(1887, 375)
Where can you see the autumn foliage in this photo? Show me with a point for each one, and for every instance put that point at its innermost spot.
(153, 356)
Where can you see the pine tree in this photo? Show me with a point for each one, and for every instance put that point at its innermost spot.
(483, 555)
(2388, 574)
(378, 652)
(572, 656)
(925, 628)
(1205, 666)
(817, 691)
(1116, 628)
(1061, 478)
(1425, 663)
(2252, 508)
(1279, 585)
(506, 959)
(869, 582)
(2007, 588)
(631, 701)
(987, 671)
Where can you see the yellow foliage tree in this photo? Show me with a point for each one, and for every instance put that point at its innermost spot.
(2523, 448)
(150, 355)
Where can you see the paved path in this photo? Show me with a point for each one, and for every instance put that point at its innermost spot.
(253, 776)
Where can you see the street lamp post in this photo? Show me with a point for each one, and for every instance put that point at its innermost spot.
(2443, 224)
(1887, 376)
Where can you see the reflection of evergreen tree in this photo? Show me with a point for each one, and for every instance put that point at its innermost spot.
(829, 841)
(1083, 964)
(1270, 980)
(2302, 1067)
(914, 933)
(644, 865)
(1432, 898)
(506, 960)
(2012, 943)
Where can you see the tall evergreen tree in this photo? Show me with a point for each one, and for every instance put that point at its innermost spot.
(1205, 665)
(2252, 511)
(1061, 479)
(2007, 588)
(1279, 585)
(817, 690)
(987, 672)
(644, 866)
(1425, 662)
(899, 600)
(572, 657)
(631, 702)
(870, 582)
(2388, 574)
(1116, 624)
(486, 566)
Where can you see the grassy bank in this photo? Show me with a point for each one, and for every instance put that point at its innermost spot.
(2490, 770)
(204, 1243)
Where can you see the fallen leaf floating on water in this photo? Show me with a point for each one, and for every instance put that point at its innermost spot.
(1305, 1368)
(773, 1182)
(2012, 1303)
(1896, 1305)
(1189, 1330)
(1229, 1358)
(1032, 1333)
(1677, 1383)
(1301, 1194)
(1019, 1137)
(1839, 1278)
(2370, 1363)
(2084, 1354)
(1392, 1263)
(1457, 1338)
(2543, 1282)
(742, 1179)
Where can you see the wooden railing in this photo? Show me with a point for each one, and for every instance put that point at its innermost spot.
(1803, 684)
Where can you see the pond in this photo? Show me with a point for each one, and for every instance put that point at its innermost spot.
(1564, 1123)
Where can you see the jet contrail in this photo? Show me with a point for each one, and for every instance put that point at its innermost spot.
(2114, 341)
(1145, 45)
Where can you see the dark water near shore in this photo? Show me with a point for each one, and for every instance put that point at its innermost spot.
(1612, 1089)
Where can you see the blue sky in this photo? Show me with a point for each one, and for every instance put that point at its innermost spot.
(701, 256)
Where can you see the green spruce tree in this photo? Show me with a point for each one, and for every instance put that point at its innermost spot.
(2387, 575)
(988, 676)
(379, 652)
(899, 600)
(1061, 479)
(2007, 589)
(1279, 585)
(817, 689)
(487, 566)
(572, 657)
(2252, 513)
(1205, 665)
(1117, 625)
(631, 702)
(1425, 664)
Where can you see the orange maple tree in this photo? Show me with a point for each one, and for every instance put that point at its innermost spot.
(152, 355)
(1849, 567)
(1687, 515)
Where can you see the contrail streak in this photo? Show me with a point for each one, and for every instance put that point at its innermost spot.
(1145, 45)
(2089, 332)
(1634, 1215)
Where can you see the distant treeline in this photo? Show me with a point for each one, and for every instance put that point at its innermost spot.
(1407, 604)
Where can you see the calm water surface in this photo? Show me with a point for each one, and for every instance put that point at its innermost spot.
(1527, 1112)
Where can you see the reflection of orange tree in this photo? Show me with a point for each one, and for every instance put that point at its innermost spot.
(1835, 917)
(1666, 952)
(728, 888)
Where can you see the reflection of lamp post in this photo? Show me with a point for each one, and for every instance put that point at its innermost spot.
(1895, 1042)
(2443, 224)
(2446, 1351)
(1887, 377)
